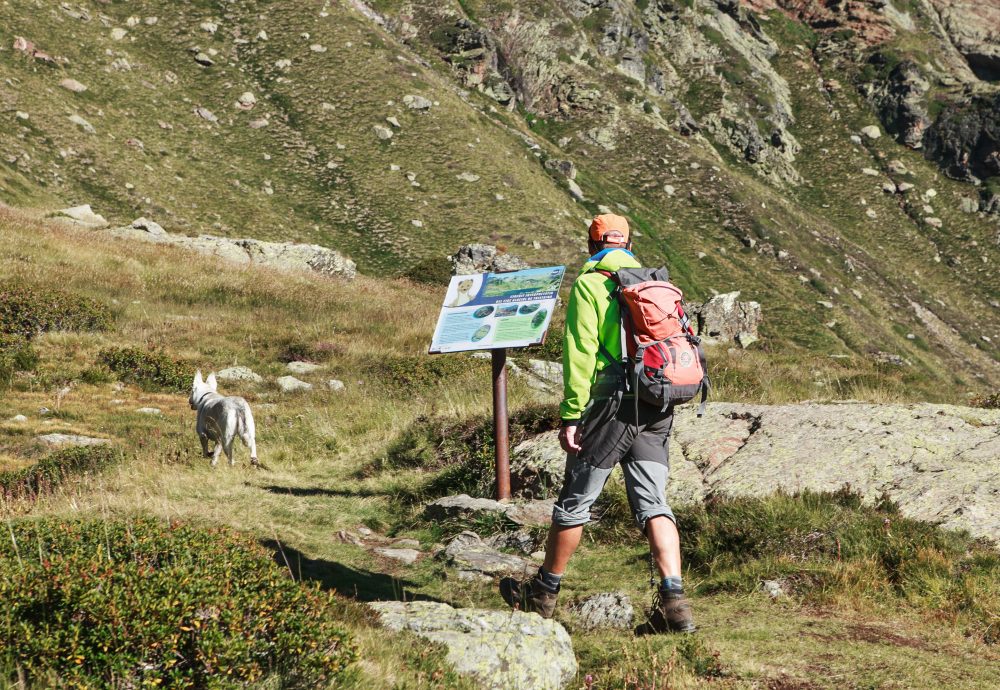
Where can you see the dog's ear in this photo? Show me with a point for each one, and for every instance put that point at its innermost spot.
(197, 378)
(212, 383)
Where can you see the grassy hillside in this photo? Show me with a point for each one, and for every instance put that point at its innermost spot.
(907, 610)
(797, 235)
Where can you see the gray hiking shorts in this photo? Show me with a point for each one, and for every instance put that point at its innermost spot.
(610, 436)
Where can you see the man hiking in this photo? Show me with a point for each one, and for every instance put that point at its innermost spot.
(601, 426)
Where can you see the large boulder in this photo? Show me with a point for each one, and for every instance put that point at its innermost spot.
(724, 318)
(499, 649)
(483, 258)
(465, 507)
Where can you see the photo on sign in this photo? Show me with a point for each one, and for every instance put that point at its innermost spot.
(495, 311)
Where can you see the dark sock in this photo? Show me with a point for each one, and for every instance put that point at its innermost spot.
(672, 584)
(550, 580)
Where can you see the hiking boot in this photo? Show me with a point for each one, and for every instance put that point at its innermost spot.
(529, 595)
(671, 613)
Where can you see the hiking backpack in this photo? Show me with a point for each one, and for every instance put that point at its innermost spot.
(663, 359)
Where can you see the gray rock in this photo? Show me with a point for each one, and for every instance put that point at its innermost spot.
(574, 190)
(407, 556)
(904, 187)
(499, 649)
(773, 588)
(246, 101)
(462, 506)
(469, 553)
(205, 114)
(723, 319)
(204, 59)
(148, 410)
(60, 440)
(406, 544)
(287, 256)
(938, 462)
(393, 121)
(483, 258)
(604, 610)
(566, 168)
(18, 419)
(84, 215)
(417, 102)
(82, 124)
(383, 133)
(537, 466)
(871, 131)
(302, 367)
(239, 374)
(72, 85)
(149, 226)
(290, 384)
(335, 385)
(968, 205)
(468, 177)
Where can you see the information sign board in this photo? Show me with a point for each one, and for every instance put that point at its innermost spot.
(489, 311)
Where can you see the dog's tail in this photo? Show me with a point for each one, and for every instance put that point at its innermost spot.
(248, 430)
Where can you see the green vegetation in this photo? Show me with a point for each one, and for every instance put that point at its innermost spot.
(29, 483)
(151, 369)
(27, 311)
(139, 602)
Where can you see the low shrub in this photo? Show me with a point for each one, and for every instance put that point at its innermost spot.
(433, 271)
(16, 354)
(150, 369)
(989, 401)
(30, 482)
(27, 311)
(411, 373)
(142, 603)
(463, 450)
(293, 350)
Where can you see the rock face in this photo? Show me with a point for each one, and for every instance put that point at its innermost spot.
(483, 258)
(724, 319)
(965, 139)
(902, 103)
(286, 256)
(938, 462)
(499, 649)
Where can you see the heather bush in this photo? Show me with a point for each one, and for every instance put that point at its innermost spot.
(142, 603)
(150, 369)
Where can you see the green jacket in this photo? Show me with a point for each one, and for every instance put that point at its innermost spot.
(592, 318)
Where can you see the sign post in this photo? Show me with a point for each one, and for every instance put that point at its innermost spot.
(501, 440)
(497, 311)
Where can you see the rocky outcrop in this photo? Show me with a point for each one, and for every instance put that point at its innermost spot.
(938, 462)
(483, 258)
(901, 101)
(287, 256)
(465, 507)
(973, 27)
(499, 649)
(965, 139)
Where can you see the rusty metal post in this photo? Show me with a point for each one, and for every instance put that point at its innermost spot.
(500, 424)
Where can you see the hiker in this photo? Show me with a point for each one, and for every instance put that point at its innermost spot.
(603, 425)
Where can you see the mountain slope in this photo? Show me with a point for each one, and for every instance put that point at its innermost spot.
(729, 133)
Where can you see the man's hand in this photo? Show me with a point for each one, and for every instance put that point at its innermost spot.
(569, 438)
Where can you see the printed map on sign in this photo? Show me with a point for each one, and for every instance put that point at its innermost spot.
(494, 310)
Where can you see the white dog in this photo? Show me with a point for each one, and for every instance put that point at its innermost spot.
(221, 419)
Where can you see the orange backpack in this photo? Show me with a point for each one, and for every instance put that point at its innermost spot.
(662, 355)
